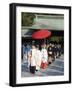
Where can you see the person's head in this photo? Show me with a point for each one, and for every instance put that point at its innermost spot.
(53, 45)
(43, 45)
(50, 44)
(33, 46)
(37, 47)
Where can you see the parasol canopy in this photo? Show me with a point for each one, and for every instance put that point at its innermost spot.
(41, 34)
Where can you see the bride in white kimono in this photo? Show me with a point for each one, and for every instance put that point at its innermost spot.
(44, 56)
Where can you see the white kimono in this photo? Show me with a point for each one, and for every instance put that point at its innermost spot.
(44, 55)
(38, 59)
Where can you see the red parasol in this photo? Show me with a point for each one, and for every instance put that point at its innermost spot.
(41, 34)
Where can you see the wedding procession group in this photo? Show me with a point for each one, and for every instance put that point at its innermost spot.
(41, 58)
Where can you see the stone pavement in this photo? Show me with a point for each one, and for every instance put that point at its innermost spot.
(54, 69)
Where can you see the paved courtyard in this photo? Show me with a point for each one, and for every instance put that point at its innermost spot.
(54, 69)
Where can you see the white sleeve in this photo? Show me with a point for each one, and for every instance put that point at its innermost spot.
(45, 55)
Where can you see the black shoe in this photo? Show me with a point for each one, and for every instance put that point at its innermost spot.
(36, 70)
(49, 62)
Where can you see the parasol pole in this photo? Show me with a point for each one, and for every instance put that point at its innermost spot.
(44, 40)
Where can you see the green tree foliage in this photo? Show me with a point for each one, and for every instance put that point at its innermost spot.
(27, 19)
(57, 38)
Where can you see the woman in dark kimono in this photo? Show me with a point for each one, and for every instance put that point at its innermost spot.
(50, 53)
